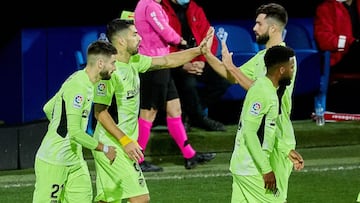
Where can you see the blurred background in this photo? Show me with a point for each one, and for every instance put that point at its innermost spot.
(80, 13)
(39, 39)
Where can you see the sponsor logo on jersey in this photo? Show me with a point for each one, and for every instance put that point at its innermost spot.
(131, 93)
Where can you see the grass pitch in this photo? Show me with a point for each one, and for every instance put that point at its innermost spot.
(331, 173)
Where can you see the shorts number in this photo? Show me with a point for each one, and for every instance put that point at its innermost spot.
(56, 188)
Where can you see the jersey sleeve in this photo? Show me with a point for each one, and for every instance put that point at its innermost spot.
(248, 68)
(104, 90)
(77, 134)
(142, 62)
(255, 67)
(258, 130)
(254, 147)
(74, 108)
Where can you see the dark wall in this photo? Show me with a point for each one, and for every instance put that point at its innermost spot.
(84, 13)
(19, 144)
(35, 63)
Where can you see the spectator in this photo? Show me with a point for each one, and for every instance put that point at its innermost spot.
(189, 21)
(158, 91)
(271, 20)
(337, 29)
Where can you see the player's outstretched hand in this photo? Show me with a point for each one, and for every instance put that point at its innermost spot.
(206, 43)
(226, 56)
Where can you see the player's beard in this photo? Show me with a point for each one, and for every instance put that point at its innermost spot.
(263, 39)
(133, 51)
(105, 75)
(285, 81)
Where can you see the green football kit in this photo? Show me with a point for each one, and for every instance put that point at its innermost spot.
(285, 137)
(254, 142)
(59, 163)
(123, 178)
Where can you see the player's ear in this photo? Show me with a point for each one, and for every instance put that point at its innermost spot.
(122, 41)
(100, 63)
(282, 69)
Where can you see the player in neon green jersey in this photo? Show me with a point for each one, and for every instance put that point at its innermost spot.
(124, 178)
(61, 172)
(271, 20)
(253, 176)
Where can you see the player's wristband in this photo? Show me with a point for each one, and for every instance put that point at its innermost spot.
(125, 140)
(105, 149)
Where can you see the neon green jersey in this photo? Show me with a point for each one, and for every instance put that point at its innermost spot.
(125, 86)
(255, 68)
(68, 112)
(255, 138)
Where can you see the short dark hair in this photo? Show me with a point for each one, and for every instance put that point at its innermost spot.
(117, 25)
(276, 55)
(101, 47)
(275, 11)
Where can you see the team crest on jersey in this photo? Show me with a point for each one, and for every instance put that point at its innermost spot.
(78, 101)
(255, 108)
(85, 113)
(101, 89)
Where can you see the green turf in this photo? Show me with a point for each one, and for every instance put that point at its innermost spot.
(333, 179)
(325, 186)
(331, 173)
(308, 134)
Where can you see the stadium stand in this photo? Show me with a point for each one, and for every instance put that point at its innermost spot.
(243, 47)
(312, 76)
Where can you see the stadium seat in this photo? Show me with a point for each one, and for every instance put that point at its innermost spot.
(309, 63)
(239, 42)
(80, 61)
(298, 36)
(313, 67)
(80, 55)
(243, 47)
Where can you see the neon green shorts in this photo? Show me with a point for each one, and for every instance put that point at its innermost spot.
(251, 189)
(122, 179)
(66, 184)
(282, 167)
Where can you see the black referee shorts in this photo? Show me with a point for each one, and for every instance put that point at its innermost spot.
(156, 88)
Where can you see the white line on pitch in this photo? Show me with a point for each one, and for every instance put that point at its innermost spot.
(202, 175)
